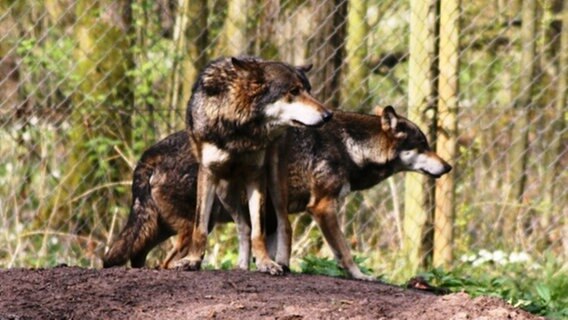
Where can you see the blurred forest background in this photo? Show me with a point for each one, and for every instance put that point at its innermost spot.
(87, 85)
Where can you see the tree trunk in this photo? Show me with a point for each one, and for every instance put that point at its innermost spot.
(355, 92)
(553, 152)
(234, 40)
(100, 120)
(266, 30)
(190, 39)
(522, 109)
(446, 144)
(421, 99)
(326, 50)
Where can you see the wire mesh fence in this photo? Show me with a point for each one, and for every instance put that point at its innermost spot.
(87, 86)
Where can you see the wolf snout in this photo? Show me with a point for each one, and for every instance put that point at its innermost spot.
(446, 167)
(431, 164)
(327, 115)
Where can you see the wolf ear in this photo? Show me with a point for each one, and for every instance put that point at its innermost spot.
(389, 119)
(243, 64)
(389, 122)
(378, 111)
(305, 68)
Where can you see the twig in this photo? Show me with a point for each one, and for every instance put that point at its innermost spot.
(396, 209)
(121, 154)
(97, 188)
(56, 233)
(111, 230)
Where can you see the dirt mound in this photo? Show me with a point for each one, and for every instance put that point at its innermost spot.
(75, 293)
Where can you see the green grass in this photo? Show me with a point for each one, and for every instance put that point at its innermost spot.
(541, 290)
(329, 267)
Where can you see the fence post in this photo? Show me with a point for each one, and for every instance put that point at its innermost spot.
(421, 93)
(448, 87)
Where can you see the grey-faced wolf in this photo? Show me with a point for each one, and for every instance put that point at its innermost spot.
(351, 152)
(238, 108)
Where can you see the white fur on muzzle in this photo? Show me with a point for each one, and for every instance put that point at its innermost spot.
(287, 113)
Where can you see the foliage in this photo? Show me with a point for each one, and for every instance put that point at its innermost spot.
(541, 290)
(329, 267)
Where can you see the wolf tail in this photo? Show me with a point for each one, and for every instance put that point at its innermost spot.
(135, 240)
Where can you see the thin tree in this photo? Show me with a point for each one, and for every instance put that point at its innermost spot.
(190, 43)
(557, 130)
(266, 13)
(326, 50)
(355, 92)
(233, 38)
(519, 151)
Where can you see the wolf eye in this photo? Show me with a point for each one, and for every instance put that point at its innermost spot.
(295, 91)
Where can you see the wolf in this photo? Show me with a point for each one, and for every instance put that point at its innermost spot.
(238, 108)
(351, 152)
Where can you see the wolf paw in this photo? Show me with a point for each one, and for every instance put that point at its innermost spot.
(285, 268)
(187, 264)
(362, 276)
(243, 266)
(270, 267)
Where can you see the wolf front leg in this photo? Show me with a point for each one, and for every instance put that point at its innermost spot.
(278, 190)
(206, 185)
(244, 230)
(230, 196)
(324, 211)
(256, 191)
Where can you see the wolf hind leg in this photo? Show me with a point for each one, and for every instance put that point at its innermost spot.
(181, 248)
(324, 212)
(278, 191)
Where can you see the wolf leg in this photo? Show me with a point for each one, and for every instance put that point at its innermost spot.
(243, 229)
(324, 212)
(230, 197)
(278, 190)
(181, 247)
(206, 185)
(142, 246)
(256, 189)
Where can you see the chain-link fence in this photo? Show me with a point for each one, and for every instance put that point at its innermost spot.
(87, 86)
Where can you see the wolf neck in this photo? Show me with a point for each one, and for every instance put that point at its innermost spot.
(371, 156)
(365, 142)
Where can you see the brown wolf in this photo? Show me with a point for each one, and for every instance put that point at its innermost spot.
(351, 152)
(238, 108)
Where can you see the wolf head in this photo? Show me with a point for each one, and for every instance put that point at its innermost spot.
(284, 98)
(411, 146)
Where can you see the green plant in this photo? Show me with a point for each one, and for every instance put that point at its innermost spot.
(541, 290)
(327, 266)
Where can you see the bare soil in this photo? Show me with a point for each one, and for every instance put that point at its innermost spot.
(121, 293)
